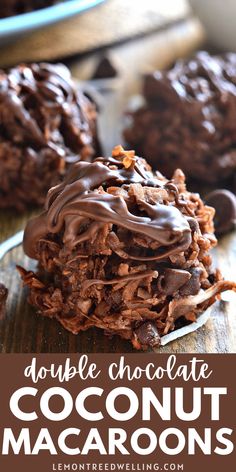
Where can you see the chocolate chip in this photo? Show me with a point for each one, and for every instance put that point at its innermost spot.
(193, 285)
(105, 69)
(148, 335)
(224, 203)
(172, 280)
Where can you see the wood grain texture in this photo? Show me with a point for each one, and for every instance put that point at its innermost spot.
(23, 330)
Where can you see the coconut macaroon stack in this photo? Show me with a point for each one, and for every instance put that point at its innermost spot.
(46, 125)
(122, 249)
(187, 120)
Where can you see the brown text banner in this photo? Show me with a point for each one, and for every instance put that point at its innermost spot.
(117, 412)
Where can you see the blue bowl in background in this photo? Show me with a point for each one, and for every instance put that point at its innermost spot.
(11, 28)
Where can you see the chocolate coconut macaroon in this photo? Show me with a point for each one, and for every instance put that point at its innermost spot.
(46, 125)
(187, 120)
(122, 249)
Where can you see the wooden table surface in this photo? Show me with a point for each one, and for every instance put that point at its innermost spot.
(22, 330)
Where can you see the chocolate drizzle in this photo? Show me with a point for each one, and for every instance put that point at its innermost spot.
(46, 125)
(35, 95)
(85, 195)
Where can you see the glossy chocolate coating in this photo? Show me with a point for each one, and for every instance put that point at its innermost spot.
(78, 198)
(46, 125)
